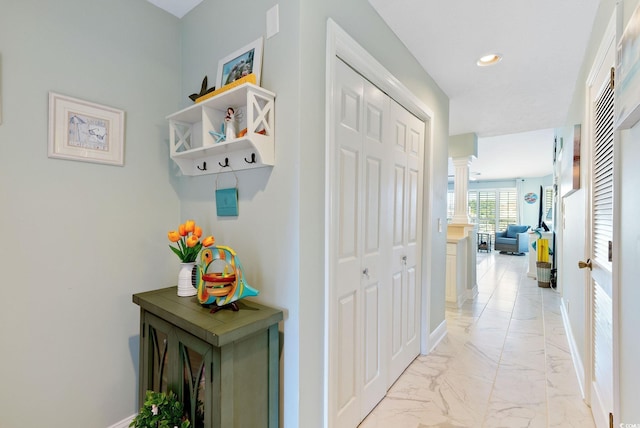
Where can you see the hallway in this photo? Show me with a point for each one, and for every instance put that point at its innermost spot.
(504, 363)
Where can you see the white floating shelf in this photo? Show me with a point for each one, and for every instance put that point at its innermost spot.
(194, 149)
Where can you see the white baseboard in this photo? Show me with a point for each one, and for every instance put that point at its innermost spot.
(123, 423)
(437, 335)
(473, 292)
(573, 347)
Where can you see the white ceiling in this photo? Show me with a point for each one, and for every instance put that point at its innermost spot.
(543, 44)
(178, 8)
(524, 155)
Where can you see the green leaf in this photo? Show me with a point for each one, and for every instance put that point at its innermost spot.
(178, 252)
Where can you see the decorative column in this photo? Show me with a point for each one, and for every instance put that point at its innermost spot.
(461, 189)
(462, 149)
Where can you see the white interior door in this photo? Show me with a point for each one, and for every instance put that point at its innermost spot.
(375, 241)
(408, 137)
(376, 209)
(599, 240)
(357, 378)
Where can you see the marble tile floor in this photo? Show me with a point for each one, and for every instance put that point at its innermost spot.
(505, 362)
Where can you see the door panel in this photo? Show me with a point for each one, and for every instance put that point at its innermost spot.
(358, 372)
(348, 224)
(345, 323)
(398, 205)
(412, 305)
(347, 351)
(396, 315)
(407, 159)
(599, 235)
(372, 210)
(375, 145)
(412, 237)
(374, 241)
(371, 333)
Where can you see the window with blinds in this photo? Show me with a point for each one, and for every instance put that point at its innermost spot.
(603, 177)
(508, 212)
(486, 212)
(450, 206)
(548, 205)
(472, 197)
(491, 210)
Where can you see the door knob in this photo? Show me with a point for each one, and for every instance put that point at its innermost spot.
(587, 264)
(404, 260)
(365, 272)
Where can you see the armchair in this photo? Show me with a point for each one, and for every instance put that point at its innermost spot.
(513, 240)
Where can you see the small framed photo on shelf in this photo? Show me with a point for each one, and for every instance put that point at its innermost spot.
(84, 131)
(240, 64)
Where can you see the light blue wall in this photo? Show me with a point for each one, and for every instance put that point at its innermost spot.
(362, 23)
(266, 233)
(79, 238)
(626, 248)
(629, 254)
(530, 211)
(84, 237)
(279, 233)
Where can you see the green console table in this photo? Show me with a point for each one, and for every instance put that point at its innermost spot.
(223, 366)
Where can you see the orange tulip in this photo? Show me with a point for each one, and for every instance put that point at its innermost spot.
(192, 241)
(182, 230)
(208, 241)
(197, 231)
(189, 225)
(174, 236)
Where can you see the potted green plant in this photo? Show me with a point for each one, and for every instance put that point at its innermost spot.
(161, 410)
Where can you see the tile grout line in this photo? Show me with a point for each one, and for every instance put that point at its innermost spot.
(546, 365)
(499, 362)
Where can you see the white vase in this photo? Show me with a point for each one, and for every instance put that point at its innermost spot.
(185, 286)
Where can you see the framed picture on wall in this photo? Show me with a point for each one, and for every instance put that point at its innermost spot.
(0, 89)
(627, 104)
(240, 63)
(85, 131)
(569, 158)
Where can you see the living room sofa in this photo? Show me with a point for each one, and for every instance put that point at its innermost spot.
(515, 239)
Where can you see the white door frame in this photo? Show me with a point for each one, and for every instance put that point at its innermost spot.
(608, 42)
(341, 45)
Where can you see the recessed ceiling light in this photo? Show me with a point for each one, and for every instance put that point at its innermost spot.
(489, 60)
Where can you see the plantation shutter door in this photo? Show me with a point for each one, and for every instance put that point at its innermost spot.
(487, 211)
(508, 213)
(472, 197)
(603, 178)
(548, 200)
(601, 236)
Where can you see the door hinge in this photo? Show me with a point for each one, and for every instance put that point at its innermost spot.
(610, 251)
(610, 420)
(612, 78)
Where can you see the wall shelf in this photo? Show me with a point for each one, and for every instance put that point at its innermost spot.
(194, 149)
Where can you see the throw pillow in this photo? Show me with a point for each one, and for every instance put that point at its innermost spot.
(513, 230)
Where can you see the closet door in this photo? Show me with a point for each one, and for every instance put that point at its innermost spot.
(357, 306)
(407, 143)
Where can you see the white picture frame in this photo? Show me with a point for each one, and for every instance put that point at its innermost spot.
(240, 63)
(0, 89)
(84, 131)
(627, 100)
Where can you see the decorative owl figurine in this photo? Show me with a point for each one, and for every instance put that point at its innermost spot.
(221, 287)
